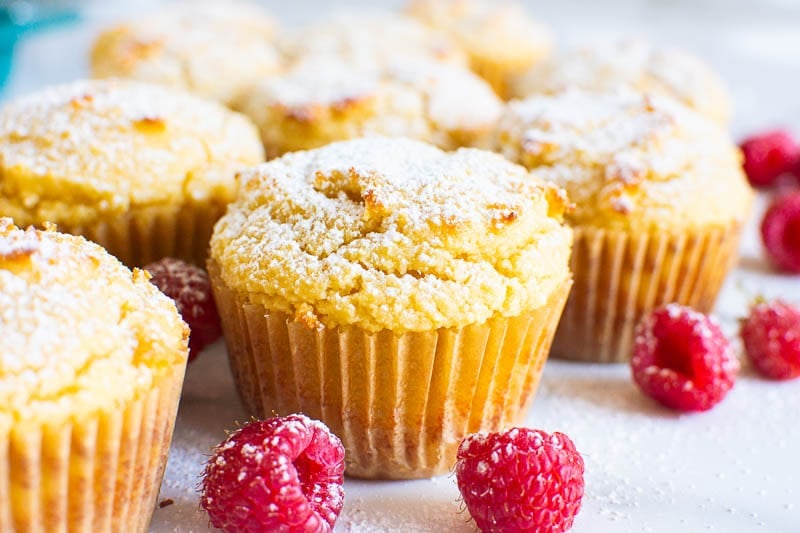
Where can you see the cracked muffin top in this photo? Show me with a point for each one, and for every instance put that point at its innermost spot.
(637, 64)
(627, 159)
(318, 102)
(393, 234)
(79, 332)
(215, 49)
(72, 152)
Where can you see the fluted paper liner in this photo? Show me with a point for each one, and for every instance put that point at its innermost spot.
(620, 276)
(146, 234)
(97, 473)
(400, 403)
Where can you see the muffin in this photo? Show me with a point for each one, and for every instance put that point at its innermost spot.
(319, 102)
(141, 169)
(660, 203)
(403, 295)
(92, 358)
(212, 48)
(369, 38)
(501, 39)
(604, 67)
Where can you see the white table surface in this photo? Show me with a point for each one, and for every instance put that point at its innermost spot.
(734, 469)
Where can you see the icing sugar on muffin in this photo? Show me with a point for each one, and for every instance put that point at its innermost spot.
(142, 169)
(212, 48)
(500, 38)
(660, 202)
(366, 39)
(323, 101)
(92, 358)
(603, 67)
(388, 265)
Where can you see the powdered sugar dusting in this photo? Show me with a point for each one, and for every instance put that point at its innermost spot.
(606, 66)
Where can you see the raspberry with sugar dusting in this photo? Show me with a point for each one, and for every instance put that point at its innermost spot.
(520, 480)
(771, 336)
(780, 231)
(682, 359)
(281, 474)
(189, 286)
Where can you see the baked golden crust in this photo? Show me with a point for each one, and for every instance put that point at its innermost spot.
(75, 153)
(500, 38)
(628, 160)
(79, 332)
(214, 49)
(368, 39)
(393, 234)
(604, 67)
(320, 101)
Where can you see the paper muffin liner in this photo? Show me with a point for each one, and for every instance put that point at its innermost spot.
(100, 472)
(620, 276)
(401, 403)
(146, 234)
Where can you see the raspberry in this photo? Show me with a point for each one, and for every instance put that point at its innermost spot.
(682, 359)
(520, 480)
(281, 474)
(771, 336)
(780, 231)
(769, 155)
(188, 285)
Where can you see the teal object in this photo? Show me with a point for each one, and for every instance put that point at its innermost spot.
(12, 30)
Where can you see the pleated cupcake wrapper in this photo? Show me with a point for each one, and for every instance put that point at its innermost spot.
(146, 234)
(621, 276)
(100, 473)
(400, 403)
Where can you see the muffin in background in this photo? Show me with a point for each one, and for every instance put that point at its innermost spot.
(142, 169)
(215, 49)
(321, 101)
(369, 38)
(92, 358)
(403, 295)
(500, 38)
(660, 203)
(639, 65)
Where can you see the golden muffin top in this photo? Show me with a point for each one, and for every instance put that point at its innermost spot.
(627, 159)
(369, 38)
(71, 152)
(215, 49)
(79, 332)
(395, 234)
(604, 67)
(318, 102)
(498, 35)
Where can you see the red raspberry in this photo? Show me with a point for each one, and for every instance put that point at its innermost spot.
(771, 336)
(281, 474)
(682, 359)
(520, 480)
(768, 155)
(188, 285)
(780, 231)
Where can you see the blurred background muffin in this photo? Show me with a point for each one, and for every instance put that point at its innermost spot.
(403, 295)
(608, 65)
(92, 358)
(660, 201)
(211, 48)
(142, 169)
(325, 100)
(368, 38)
(500, 38)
